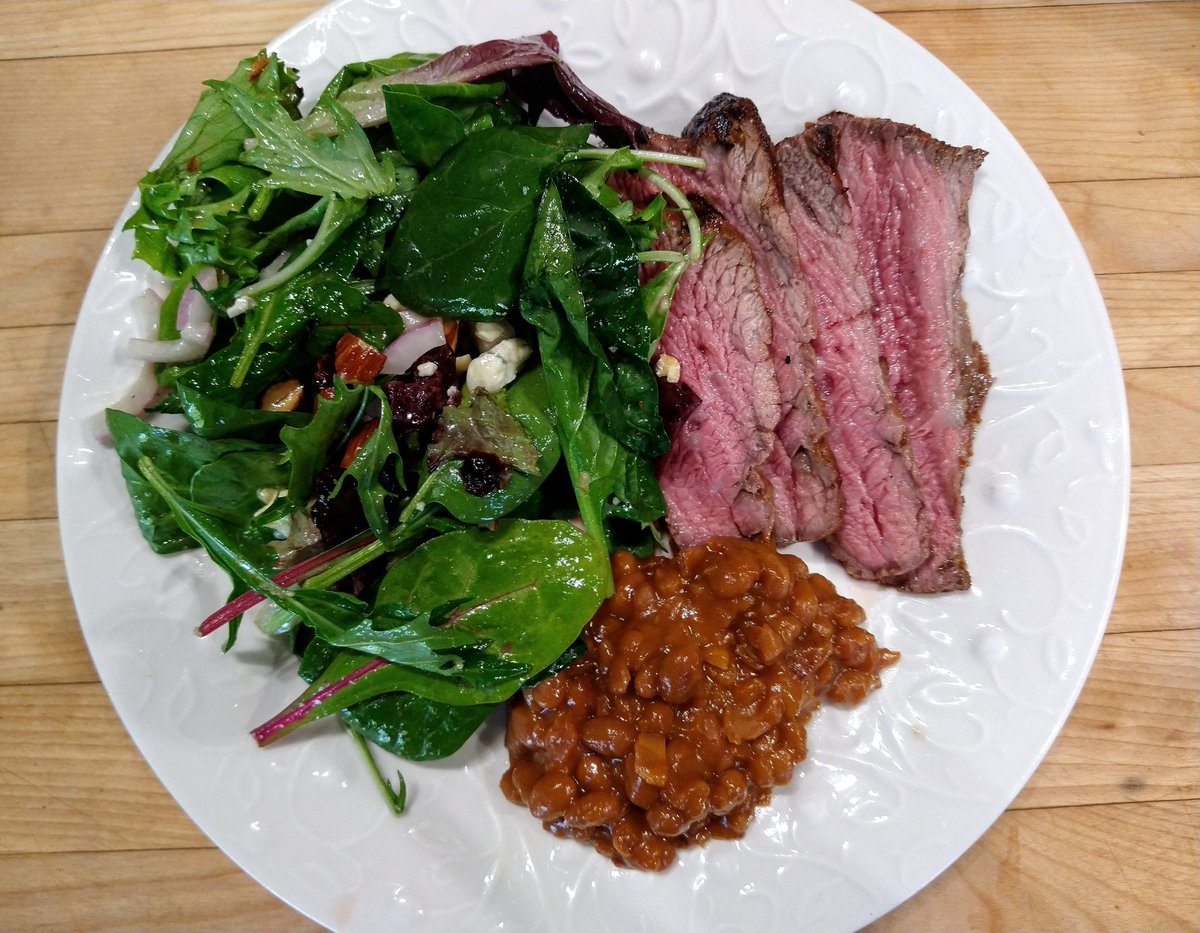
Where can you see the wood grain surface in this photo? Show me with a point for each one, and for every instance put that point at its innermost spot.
(1106, 99)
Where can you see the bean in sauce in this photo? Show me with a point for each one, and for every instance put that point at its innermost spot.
(701, 673)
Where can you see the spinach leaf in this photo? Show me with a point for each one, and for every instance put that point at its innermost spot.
(191, 463)
(414, 727)
(213, 376)
(615, 328)
(240, 484)
(521, 595)
(459, 249)
(216, 418)
(528, 587)
(553, 301)
(424, 131)
(428, 120)
(339, 214)
(404, 724)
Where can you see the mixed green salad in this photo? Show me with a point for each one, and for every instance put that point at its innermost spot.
(410, 332)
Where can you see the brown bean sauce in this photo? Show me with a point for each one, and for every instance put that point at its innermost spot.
(691, 703)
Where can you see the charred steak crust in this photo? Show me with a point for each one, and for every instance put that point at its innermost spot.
(884, 529)
(742, 182)
(909, 194)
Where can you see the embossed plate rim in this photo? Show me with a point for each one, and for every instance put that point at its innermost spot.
(894, 790)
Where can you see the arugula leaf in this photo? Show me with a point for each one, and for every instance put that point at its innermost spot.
(378, 456)
(191, 209)
(343, 165)
(308, 447)
(459, 249)
(339, 214)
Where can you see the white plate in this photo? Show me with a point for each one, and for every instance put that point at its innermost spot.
(895, 790)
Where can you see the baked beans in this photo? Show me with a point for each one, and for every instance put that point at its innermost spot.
(701, 673)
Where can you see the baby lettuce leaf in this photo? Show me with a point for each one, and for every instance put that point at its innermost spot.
(482, 424)
(357, 72)
(459, 249)
(461, 65)
(528, 401)
(214, 134)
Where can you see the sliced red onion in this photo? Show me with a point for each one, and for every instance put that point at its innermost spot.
(411, 345)
(194, 320)
(411, 319)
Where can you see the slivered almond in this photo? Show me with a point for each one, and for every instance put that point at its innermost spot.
(356, 443)
(356, 361)
(283, 396)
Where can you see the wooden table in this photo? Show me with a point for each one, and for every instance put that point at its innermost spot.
(1105, 98)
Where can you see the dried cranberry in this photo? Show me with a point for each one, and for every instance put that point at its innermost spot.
(482, 474)
(417, 401)
(323, 373)
(337, 517)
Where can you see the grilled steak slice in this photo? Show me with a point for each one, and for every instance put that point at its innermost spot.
(720, 333)
(908, 194)
(742, 182)
(884, 530)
